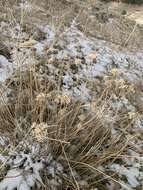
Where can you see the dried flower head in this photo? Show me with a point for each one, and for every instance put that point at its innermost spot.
(106, 77)
(131, 88)
(78, 61)
(114, 71)
(39, 131)
(132, 115)
(63, 99)
(41, 97)
(121, 84)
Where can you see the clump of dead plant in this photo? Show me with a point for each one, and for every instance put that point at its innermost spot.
(78, 134)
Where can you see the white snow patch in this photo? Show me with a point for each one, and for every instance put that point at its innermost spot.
(132, 174)
(50, 32)
(14, 179)
(6, 68)
(2, 158)
(25, 178)
(39, 48)
(26, 6)
(139, 123)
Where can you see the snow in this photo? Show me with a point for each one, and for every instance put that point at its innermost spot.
(67, 81)
(25, 178)
(132, 171)
(73, 44)
(132, 174)
(39, 48)
(13, 179)
(50, 32)
(5, 68)
(26, 6)
(81, 92)
(139, 123)
(2, 158)
(3, 141)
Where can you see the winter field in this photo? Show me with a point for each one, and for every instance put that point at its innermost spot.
(71, 95)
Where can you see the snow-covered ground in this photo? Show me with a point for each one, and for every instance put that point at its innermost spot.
(81, 58)
(5, 68)
(91, 58)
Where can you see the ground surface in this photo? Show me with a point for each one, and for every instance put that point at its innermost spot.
(71, 84)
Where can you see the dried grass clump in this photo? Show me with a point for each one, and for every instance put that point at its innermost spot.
(77, 134)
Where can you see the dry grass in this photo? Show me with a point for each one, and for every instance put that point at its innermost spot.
(92, 16)
(76, 133)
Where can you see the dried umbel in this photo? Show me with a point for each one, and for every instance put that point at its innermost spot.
(63, 99)
(115, 71)
(39, 131)
(117, 84)
(40, 98)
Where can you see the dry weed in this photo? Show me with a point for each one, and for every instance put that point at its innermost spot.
(78, 134)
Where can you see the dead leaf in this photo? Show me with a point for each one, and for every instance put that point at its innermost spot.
(93, 56)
